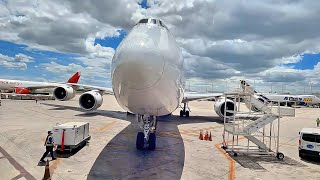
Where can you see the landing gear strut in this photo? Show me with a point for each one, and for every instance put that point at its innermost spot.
(148, 137)
(184, 111)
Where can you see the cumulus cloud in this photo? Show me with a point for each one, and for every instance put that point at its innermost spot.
(220, 39)
(19, 61)
(251, 38)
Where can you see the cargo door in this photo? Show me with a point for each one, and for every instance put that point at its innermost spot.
(57, 133)
(86, 130)
(69, 136)
(77, 139)
(309, 142)
(79, 134)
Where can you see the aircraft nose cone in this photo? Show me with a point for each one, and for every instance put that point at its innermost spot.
(138, 67)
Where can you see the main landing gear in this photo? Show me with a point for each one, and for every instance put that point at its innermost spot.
(184, 111)
(148, 137)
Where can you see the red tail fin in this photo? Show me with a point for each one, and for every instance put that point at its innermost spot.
(74, 78)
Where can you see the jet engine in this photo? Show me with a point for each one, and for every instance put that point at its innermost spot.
(219, 107)
(64, 93)
(21, 91)
(90, 100)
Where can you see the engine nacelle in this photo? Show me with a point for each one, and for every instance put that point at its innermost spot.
(64, 93)
(219, 107)
(21, 91)
(90, 100)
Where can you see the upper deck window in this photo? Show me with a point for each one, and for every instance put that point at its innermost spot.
(143, 21)
(153, 21)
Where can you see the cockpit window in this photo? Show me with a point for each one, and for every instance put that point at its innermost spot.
(153, 21)
(162, 24)
(143, 21)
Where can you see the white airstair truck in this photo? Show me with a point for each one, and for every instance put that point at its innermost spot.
(71, 135)
(255, 119)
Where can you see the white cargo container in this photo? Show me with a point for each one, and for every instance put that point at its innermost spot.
(75, 134)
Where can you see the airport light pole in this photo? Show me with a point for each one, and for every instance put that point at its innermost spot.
(212, 87)
(311, 87)
(226, 85)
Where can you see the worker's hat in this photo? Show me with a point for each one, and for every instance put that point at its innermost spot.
(49, 132)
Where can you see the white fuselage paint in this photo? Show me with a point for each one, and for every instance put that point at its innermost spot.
(10, 85)
(147, 75)
(309, 99)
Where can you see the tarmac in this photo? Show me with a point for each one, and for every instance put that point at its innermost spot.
(111, 152)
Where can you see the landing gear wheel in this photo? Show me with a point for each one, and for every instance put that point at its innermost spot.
(181, 113)
(140, 140)
(280, 156)
(235, 154)
(187, 113)
(152, 141)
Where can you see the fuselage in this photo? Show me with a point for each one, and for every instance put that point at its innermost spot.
(308, 99)
(147, 75)
(10, 85)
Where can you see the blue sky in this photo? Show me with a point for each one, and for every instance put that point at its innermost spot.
(308, 61)
(34, 69)
(111, 41)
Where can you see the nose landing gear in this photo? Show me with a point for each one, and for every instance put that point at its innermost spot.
(184, 111)
(147, 137)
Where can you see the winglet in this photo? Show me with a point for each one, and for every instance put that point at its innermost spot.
(74, 78)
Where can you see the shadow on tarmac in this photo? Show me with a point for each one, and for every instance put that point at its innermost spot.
(252, 162)
(120, 159)
(311, 160)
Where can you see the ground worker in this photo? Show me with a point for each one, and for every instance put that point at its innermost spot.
(49, 143)
(318, 122)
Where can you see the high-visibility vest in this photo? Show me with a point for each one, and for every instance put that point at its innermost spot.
(48, 143)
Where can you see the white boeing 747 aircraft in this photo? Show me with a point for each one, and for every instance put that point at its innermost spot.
(147, 80)
(283, 99)
(27, 87)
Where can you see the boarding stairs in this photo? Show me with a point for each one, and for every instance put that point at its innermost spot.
(251, 128)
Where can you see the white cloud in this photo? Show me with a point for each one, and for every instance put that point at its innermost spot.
(19, 61)
(220, 39)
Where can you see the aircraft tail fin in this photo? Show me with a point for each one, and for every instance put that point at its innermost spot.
(74, 78)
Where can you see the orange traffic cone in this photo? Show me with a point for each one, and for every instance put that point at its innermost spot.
(201, 135)
(47, 172)
(210, 137)
(206, 137)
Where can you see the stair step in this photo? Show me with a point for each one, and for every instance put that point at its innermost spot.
(257, 142)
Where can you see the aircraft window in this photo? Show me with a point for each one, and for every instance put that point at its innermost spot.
(162, 24)
(143, 21)
(153, 21)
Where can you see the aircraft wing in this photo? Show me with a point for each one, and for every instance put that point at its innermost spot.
(189, 96)
(89, 87)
